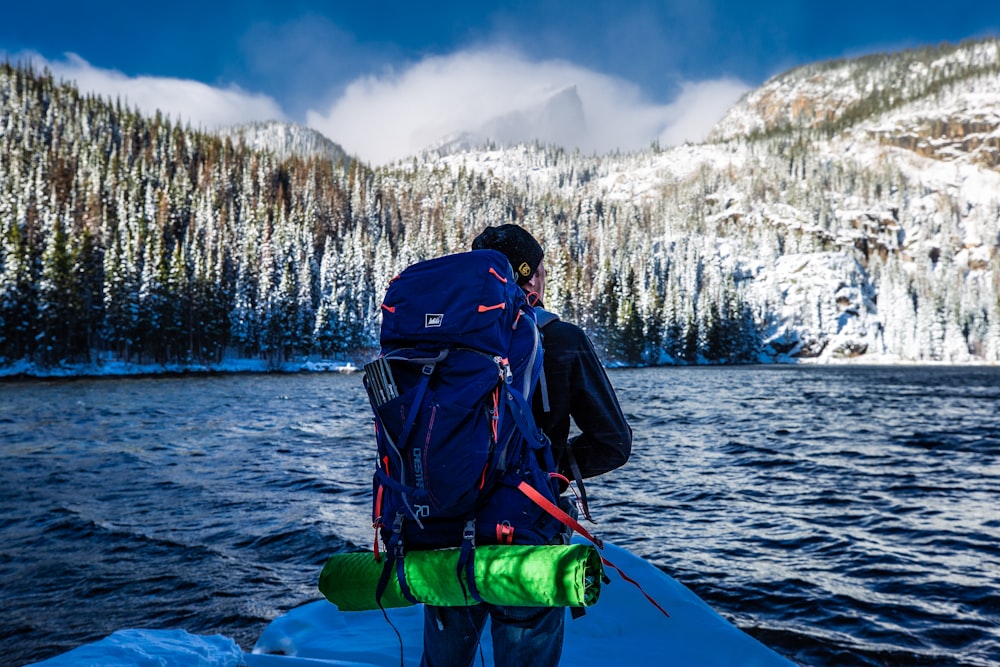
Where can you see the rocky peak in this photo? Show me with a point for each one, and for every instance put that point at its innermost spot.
(836, 95)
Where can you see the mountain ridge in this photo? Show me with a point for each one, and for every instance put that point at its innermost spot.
(832, 95)
(873, 240)
(286, 139)
(948, 124)
(559, 118)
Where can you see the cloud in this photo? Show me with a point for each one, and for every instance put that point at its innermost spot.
(697, 109)
(183, 100)
(489, 93)
(388, 117)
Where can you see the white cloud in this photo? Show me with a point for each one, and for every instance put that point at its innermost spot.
(488, 93)
(698, 108)
(382, 118)
(188, 101)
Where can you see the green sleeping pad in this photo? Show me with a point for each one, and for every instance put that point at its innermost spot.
(520, 576)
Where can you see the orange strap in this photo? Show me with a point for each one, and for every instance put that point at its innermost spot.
(566, 519)
(377, 523)
(499, 306)
(636, 584)
(497, 275)
(552, 509)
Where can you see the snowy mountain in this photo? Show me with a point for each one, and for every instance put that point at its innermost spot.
(558, 119)
(832, 96)
(285, 140)
(843, 210)
(877, 180)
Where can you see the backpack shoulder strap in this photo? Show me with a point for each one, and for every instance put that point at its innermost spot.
(544, 317)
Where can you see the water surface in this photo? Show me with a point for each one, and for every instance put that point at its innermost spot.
(844, 516)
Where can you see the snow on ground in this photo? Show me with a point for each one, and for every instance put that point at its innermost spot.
(114, 367)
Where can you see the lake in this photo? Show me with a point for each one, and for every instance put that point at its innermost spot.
(843, 515)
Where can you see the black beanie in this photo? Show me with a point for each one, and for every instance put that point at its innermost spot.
(521, 248)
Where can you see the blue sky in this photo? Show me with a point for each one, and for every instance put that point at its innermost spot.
(384, 78)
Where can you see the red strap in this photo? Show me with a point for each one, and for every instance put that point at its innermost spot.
(377, 523)
(378, 503)
(636, 584)
(499, 306)
(552, 509)
(391, 309)
(566, 519)
(482, 478)
(580, 502)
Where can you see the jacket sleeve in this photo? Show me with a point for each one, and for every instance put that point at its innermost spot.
(605, 439)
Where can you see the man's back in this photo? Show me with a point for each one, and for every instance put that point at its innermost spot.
(577, 389)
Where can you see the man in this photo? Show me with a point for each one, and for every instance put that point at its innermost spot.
(575, 387)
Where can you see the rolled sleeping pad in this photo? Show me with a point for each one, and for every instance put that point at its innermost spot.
(510, 575)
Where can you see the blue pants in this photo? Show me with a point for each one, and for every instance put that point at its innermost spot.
(522, 636)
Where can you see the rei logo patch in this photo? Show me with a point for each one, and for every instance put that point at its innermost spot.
(432, 320)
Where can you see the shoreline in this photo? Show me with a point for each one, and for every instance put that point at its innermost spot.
(116, 369)
(25, 371)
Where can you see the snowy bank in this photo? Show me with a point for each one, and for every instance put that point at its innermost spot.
(115, 368)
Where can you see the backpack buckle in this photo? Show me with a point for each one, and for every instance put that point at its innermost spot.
(469, 531)
(503, 367)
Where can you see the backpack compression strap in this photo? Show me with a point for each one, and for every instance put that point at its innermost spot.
(569, 521)
(428, 365)
(394, 561)
(578, 478)
(466, 567)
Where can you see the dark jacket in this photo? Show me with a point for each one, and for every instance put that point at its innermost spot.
(578, 387)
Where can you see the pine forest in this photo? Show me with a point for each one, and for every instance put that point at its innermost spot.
(846, 210)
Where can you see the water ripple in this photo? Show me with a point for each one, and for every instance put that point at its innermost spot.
(844, 516)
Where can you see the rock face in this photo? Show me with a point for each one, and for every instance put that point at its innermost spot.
(557, 120)
(828, 309)
(956, 85)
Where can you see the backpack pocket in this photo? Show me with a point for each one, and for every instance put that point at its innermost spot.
(443, 459)
(449, 459)
(507, 516)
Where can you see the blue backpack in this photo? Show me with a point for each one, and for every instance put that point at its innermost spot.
(451, 392)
